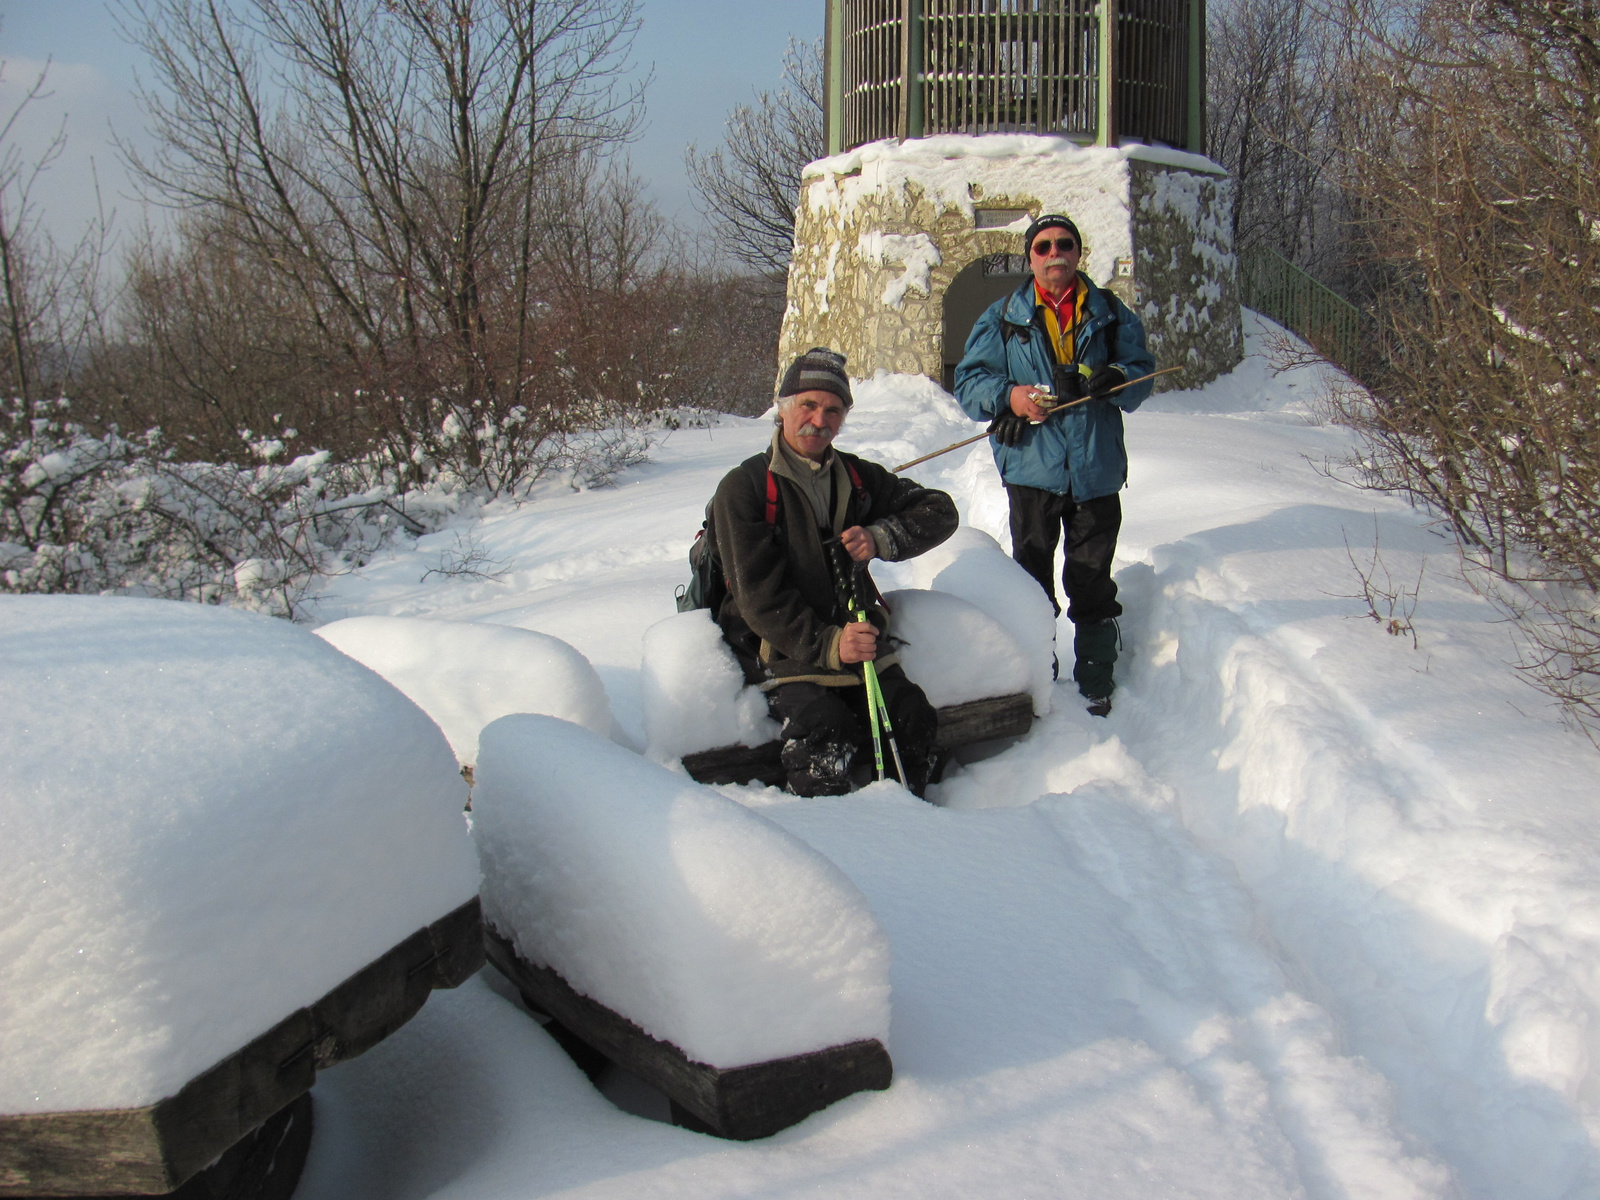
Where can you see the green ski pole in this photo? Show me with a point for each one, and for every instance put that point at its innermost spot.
(869, 675)
(880, 710)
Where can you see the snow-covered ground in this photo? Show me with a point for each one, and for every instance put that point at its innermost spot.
(1315, 913)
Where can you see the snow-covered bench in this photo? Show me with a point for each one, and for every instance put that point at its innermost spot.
(679, 934)
(960, 725)
(977, 638)
(232, 857)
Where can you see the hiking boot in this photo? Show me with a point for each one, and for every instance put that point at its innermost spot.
(1094, 646)
(1098, 706)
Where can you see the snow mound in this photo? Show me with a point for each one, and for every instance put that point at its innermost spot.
(699, 920)
(695, 696)
(464, 674)
(953, 650)
(208, 819)
(972, 565)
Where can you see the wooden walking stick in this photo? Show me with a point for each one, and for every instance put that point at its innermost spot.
(1047, 412)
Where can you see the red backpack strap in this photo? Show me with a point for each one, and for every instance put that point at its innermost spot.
(855, 481)
(772, 498)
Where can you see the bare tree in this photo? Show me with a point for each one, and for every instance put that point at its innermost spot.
(750, 185)
(1275, 118)
(388, 164)
(49, 297)
(1476, 170)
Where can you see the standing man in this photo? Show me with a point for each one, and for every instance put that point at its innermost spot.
(1061, 334)
(773, 519)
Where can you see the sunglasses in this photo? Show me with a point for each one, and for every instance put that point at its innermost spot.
(1063, 245)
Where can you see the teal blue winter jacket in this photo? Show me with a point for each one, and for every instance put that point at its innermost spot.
(1078, 452)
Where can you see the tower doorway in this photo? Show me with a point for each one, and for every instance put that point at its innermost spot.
(978, 285)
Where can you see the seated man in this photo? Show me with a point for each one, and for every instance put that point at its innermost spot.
(783, 616)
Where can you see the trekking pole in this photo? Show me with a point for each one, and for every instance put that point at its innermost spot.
(882, 708)
(870, 677)
(845, 572)
(1047, 412)
(876, 704)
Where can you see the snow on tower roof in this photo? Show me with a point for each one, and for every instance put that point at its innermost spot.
(1052, 169)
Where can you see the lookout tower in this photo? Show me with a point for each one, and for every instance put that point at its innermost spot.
(951, 124)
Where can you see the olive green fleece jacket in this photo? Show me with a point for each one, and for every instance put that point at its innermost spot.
(782, 616)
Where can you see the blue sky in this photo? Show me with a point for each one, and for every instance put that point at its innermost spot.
(707, 57)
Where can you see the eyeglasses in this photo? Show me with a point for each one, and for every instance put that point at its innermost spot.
(1064, 245)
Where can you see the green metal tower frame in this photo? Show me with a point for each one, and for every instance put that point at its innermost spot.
(911, 121)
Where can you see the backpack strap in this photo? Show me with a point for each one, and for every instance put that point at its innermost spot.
(1111, 330)
(855, 481)
(772, 498)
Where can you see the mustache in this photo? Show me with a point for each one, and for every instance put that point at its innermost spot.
(814, 431)
(1056, 262)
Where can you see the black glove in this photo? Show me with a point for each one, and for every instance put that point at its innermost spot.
(1103, 380)
(1008, 428)
(1067, 382)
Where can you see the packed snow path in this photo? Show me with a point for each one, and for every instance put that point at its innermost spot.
(1312, 914)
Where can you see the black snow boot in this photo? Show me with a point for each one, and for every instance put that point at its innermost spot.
(1095, 646)
(818, 766)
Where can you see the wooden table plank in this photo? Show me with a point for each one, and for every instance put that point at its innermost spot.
(157, 1148)
(742, 1103)
(959, 725)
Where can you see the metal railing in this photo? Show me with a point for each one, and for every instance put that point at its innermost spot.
(1276, 288)
(1038, 66)
(1029, 65)
(1150, 70)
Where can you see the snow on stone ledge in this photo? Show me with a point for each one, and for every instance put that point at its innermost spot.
(695, 696)
(208, 819)
(953, 650)
(700, 921)
(465, 674)
(972, 565)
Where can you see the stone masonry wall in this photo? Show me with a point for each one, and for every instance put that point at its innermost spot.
(882, 231)
(1185, 272)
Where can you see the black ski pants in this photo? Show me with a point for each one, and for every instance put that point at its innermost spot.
(1038, 520)
(827, 742)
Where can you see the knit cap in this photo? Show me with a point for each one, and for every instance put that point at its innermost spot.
(1049, 221)
(817, 370)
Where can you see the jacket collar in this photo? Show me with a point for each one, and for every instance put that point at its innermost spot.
(1020, 307)
(780, 461)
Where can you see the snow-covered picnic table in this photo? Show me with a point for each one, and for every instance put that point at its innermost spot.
(230, 856)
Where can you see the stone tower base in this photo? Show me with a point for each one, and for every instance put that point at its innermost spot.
(900, 246)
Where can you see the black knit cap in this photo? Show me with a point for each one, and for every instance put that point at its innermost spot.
(1049, 221)
(817, 370)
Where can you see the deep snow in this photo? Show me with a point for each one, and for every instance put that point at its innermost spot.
(699, 920)
(208, 819)
(1313, 913)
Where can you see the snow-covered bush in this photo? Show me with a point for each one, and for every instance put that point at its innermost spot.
(96, 514)
(208, 819)
(465, 674)
(696, 918)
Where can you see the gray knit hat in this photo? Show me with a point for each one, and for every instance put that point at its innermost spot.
(817, 370)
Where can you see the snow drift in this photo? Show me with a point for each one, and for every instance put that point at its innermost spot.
(953, 650)
(207, 820)
(972, 565)
(699, 920)
(465, 674)
(695, 696)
